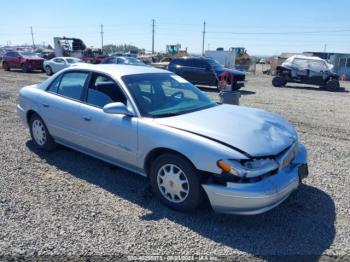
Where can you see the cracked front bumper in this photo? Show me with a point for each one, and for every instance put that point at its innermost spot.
(259, 197)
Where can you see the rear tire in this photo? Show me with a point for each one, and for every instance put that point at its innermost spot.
(6, 66)
(278, 81)
(332, 85)
(175, 181)
(39, 133)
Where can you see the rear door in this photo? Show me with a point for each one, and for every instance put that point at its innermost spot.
(204, 72)
(112, 136)
(60, 106)
(188, 70)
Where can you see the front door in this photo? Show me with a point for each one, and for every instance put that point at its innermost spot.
(112, 136)
(58, 64)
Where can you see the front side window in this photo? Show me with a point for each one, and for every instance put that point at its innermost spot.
(161, 95)
(72, 84)
(104, 90)
(215, 64)
(59, 60)
(109, 60)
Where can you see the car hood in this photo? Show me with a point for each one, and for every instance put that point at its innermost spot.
(233, 71)
(35, 59)
(254, 131)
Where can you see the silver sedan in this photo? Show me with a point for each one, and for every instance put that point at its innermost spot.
(158, 125)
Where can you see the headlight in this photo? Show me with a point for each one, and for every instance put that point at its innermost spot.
(248, 169)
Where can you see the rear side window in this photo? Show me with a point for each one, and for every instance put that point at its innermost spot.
(190, 62)
(72, 84)
(54, 85)
(200, 63)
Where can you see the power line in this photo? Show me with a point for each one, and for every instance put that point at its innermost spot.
(280, 33)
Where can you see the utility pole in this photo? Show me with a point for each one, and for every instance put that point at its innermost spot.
(325, 48)
(102, 36)
(203, 38)
(31, 32)
(153, 36)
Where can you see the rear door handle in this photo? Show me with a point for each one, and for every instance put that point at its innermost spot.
(45, 105)
(87, 118)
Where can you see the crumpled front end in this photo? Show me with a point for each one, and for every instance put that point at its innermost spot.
(256, 196)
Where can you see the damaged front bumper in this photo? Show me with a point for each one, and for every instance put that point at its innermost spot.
(259, 197)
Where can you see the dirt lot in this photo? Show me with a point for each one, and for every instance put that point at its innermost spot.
(68, 204)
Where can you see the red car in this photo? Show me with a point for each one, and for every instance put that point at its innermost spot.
(26, 61)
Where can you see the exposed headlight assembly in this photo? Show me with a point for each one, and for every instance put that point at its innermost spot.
(249, 169)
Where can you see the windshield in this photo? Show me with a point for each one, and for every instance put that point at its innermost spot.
(162, 94)
(28, 54)
(215, 64)
(73, 60)
(134, 61)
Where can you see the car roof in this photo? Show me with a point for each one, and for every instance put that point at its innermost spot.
(306, 57)
(119, 70)
(193, 57)
(66, 57)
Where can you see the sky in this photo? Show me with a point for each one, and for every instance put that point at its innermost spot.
(266, 27)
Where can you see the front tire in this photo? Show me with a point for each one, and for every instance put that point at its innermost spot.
(48, 70)
(175, 181)
(278, 81)
(40, 135)
(6, 66)
(332, 85)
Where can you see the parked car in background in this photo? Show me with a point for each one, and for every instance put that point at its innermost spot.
(204, 71)
(27, 61)
(58, 63)
(262, 61)
(310, 70)
(47, 54)
(124, 60)
(157, 124)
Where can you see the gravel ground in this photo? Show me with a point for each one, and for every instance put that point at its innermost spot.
(67, 204)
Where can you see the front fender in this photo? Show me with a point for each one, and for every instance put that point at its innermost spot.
(202, 152)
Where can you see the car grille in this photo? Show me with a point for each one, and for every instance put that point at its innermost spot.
(36, 63)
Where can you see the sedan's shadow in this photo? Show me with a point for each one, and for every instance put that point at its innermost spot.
(302, 226)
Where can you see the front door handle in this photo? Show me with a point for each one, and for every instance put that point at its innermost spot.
(45, 105)
(87, 118)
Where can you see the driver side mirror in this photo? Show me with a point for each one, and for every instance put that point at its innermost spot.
(117, 108)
